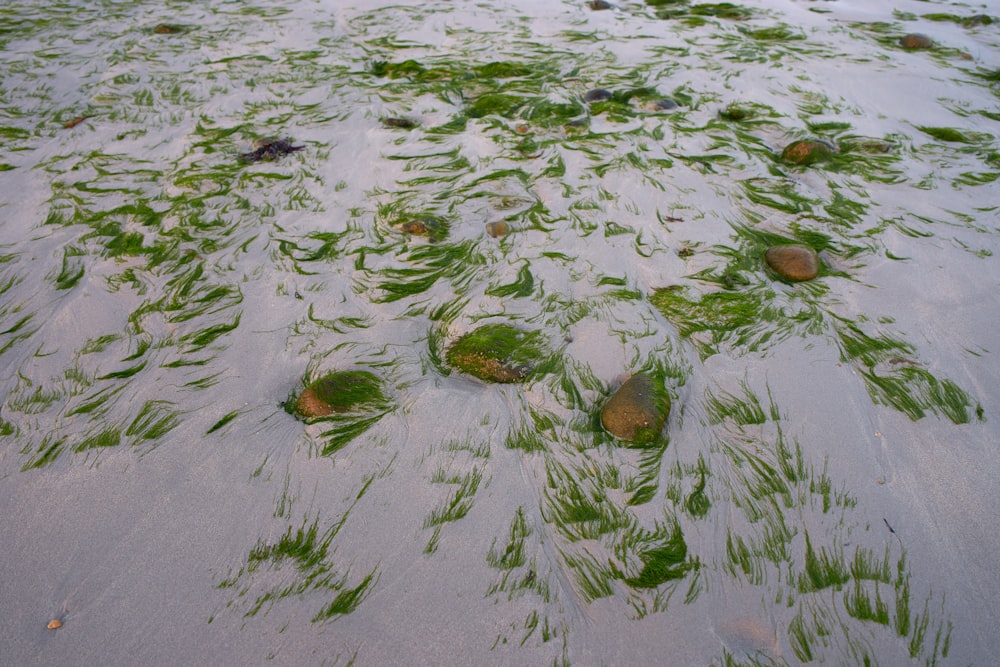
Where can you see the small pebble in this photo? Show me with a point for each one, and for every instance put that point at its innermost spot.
(497, 229)
(666, 104)
(916, 41)
(598, 5)
(597, 95)
(54, 624)
(402, 123)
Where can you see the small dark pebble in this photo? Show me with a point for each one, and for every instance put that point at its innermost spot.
(597, 95)
(666, 104)
(270, 150)
(598, 5)
(404, 123)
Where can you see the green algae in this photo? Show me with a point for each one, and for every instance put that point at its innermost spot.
(499, 353)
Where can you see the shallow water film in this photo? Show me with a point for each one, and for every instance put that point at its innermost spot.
(317, 320)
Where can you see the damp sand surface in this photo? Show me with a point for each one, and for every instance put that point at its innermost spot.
(825, 486)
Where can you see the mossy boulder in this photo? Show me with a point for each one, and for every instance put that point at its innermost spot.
(794, 262)
(637, 411)
(807, 151)
(498, 353)
(339, 392)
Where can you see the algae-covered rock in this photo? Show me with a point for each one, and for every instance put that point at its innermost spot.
(807, 151)
(498, 353)
(794, 262)
(429, 226)
(637, 411)
(343, 391)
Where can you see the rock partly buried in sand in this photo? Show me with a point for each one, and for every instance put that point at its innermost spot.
(497, 229)
(807, 151)
(497, 353)
(916, 41)
(597, 95)
(637, 411)
(343, 391)
(399, 122)
(430, 226)
(795, 262)
(268, 149)
(54, 624)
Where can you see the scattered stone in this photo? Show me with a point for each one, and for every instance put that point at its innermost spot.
(637, 411)
(76, 121)
(795, 262)
(916, 41)
(497, 353)
(431, 227)
(807, 151)
(598, 5)
(54, 624)
(167, 29)
(268, 149)
(402, 123)
(665, 104)
(597, 95)
(737, 112)
(497, 229)
(339, 392)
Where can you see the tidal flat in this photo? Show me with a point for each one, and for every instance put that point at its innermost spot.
(483, 219)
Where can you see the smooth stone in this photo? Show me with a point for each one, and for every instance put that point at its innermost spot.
(598, 5)
(637, 411)
(916, 41)
(402, 123)
(597, 95)
(795, 262)
(806, 151)
(497, 229)
(665, 104)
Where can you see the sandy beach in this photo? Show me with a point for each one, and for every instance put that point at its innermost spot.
(246, 250)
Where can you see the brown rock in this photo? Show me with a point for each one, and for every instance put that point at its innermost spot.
(637, 411)
(497, 229)
(339, 392)
(806, 151)
(794, 262)
(916, 41)
(54, 624)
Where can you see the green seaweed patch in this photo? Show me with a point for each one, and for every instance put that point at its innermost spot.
(663, 563)
(503, 70)
(338, 393)
(741, 112)
(499, 353)
(952, 135)
(964, 21)
(722, 10)
(495, 104)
